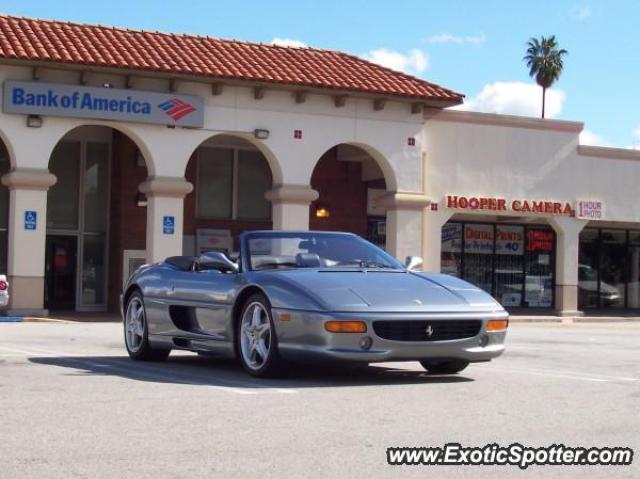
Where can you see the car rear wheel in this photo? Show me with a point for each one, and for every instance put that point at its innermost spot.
(444, 366)
(256, 339)
(136, 332)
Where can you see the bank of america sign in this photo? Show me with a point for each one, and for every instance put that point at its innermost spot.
(56, 99)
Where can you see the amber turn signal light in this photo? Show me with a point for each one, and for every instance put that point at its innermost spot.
(497, 325)
(346, 326)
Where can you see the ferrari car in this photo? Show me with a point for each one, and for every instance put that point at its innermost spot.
(309, 296)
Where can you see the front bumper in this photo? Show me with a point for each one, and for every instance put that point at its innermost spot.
(303, 337)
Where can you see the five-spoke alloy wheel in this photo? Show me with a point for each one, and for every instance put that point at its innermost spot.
(256, 338)
(136, 333)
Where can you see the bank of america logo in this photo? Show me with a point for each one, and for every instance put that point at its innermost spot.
(176, 108)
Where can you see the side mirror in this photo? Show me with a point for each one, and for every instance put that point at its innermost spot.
(216, 260)
(413, 262)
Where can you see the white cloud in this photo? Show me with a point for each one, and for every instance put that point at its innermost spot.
(515, 98)
(588, 137)
(288, 42)
(413, 61)
(458, 39)
(581, 13)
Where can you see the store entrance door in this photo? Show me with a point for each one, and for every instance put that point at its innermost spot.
(60, 272)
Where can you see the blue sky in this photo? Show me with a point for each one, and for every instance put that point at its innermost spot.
(475, 47)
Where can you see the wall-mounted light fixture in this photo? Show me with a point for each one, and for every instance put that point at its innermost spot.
(141, 200)
(322, 212)
(261, 133)
(34, 121)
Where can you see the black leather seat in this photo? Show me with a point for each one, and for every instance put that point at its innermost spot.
(183, 263)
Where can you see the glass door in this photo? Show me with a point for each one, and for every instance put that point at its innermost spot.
(60, 272)
(78, 207)
(92, 287)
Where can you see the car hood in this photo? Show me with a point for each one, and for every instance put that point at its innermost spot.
(388, 291)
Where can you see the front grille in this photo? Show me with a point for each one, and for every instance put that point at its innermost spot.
(418, 330)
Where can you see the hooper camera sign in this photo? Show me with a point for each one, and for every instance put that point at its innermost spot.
(55, 99)
(475, 203)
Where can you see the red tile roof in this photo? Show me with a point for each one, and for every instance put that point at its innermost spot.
(99, 46)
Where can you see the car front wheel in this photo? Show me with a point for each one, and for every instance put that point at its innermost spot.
(444, 366)
(257, 344)
(136, 332)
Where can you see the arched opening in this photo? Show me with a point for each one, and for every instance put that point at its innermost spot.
(5, 166)
(96, 220)
(230, 176)
(350, 183)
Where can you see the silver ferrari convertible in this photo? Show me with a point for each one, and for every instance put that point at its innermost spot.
(319, 296)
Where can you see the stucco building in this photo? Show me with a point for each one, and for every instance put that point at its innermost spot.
(120, 147)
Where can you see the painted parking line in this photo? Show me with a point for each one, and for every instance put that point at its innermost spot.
(153, 372)
(561, 374)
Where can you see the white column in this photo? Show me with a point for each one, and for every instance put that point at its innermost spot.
(165, 210)
(567, 250)
(290, 206)
(433, 221)
(27, 234)
(404, 223)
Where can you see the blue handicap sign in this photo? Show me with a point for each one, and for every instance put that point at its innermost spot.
(168, 224)
(30, 220)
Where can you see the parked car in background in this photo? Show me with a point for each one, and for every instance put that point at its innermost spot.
(589, 293)
(4, 291)
(309, 295)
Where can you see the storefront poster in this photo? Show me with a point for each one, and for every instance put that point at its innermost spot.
(452, 238)
(540, 240)
(510, 240)
(478, 239)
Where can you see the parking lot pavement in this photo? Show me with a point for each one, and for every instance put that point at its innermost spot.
(73, 405)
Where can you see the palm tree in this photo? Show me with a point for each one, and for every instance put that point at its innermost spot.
(544, 60)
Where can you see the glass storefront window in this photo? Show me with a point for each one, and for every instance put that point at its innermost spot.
(539, 270)
(613, 258)
(609, 270)
(588, 269)
(62, 199)
(5, 166)
(3, 251)
(514, 263)
(215, 177)
(96, 180)
(231, 184)
(93, 270)
(509, 262)
(254, 179)
(478, 255)
(451, 252)
(633, 285)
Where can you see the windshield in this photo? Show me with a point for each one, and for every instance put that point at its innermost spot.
(315, 250)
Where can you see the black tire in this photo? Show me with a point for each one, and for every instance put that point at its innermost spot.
(141, 350)
(444, 366)
(271, 366)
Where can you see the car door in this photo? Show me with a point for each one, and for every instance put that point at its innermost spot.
(201, 301)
